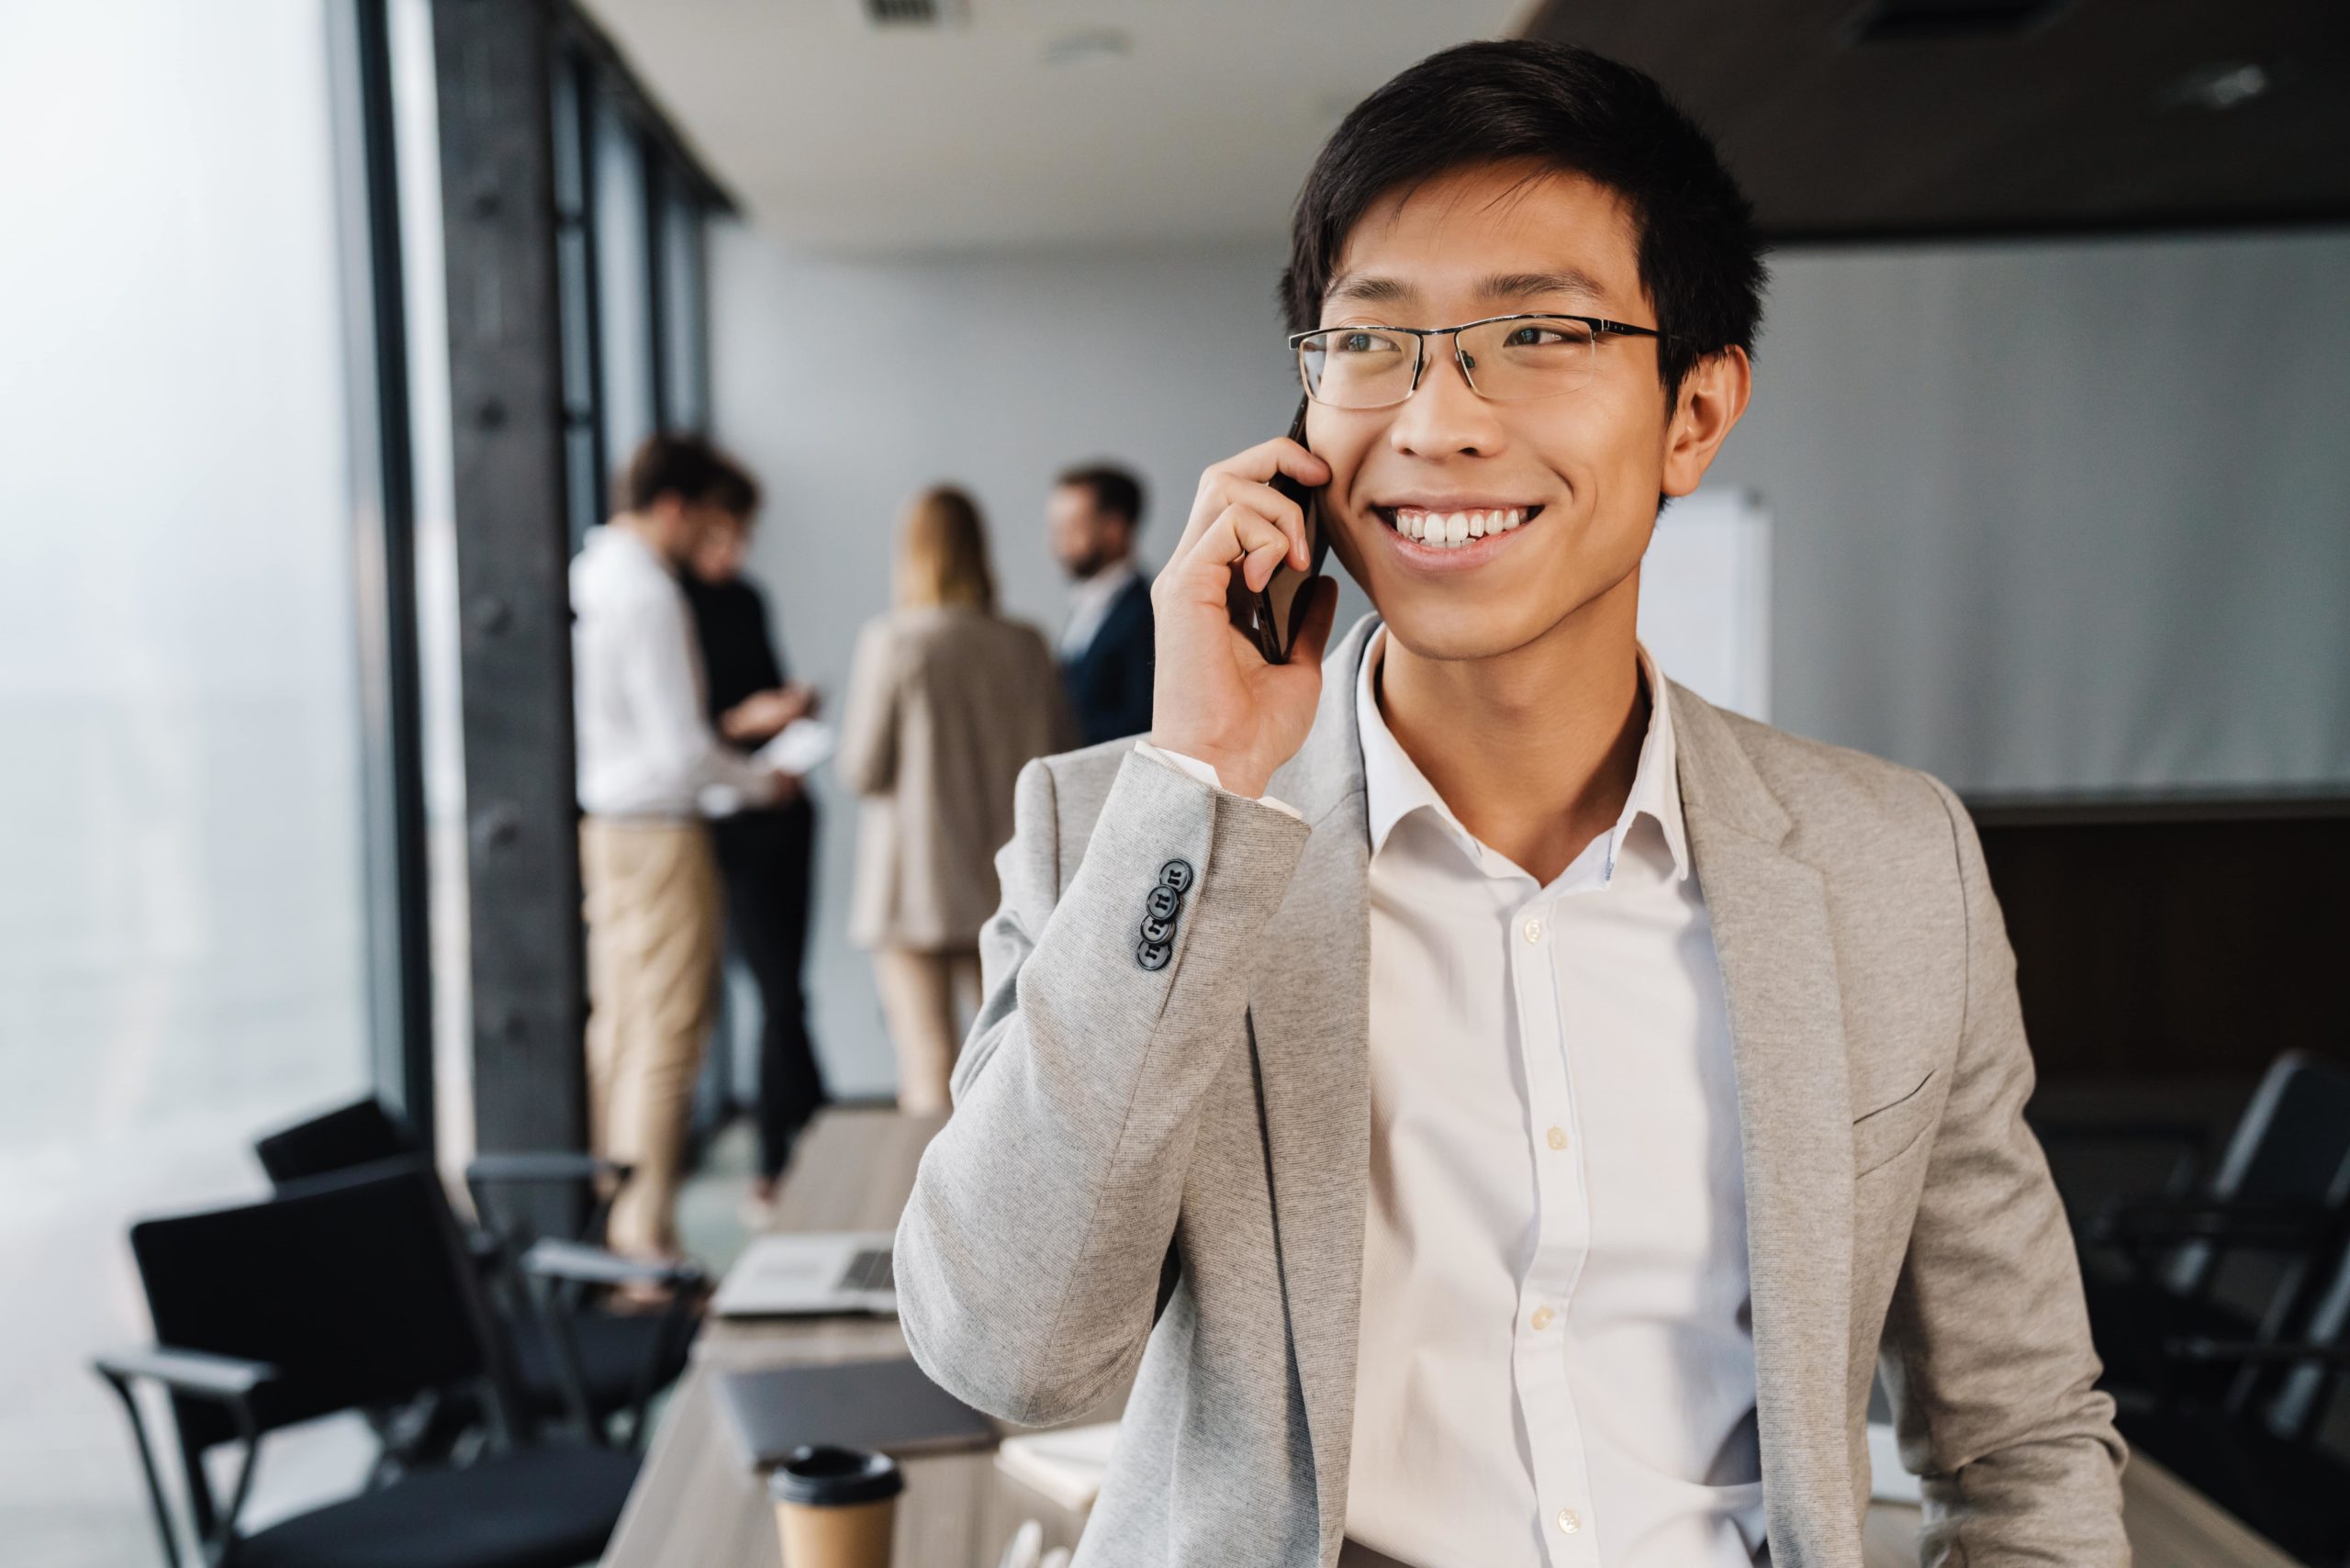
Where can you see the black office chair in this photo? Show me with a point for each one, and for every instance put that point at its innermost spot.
(349, 1293)
(2264, 1457)
(573, 1359)
(2280, 1196)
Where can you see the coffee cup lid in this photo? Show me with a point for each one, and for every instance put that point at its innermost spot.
(827, 1477)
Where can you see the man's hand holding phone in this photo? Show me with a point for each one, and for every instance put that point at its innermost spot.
(1214, 696)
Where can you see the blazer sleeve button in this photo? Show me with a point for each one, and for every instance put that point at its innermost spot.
(1153, 956)
(1176, 874)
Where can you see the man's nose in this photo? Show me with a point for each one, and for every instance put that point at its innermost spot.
(1444, 416)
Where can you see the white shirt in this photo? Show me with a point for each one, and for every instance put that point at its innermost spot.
(1556, 1363)
(646, 748)
(1089, 606)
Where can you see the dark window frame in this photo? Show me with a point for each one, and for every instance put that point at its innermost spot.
(584, 65)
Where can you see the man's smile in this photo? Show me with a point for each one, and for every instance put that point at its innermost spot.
(1453, 532)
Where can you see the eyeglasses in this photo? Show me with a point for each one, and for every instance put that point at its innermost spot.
(1506, 359)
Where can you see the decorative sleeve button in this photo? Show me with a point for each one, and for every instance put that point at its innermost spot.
(1163, 910)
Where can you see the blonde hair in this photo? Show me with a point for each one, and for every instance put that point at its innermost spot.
(943, 553)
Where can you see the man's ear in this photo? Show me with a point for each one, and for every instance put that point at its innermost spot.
(1713, 395)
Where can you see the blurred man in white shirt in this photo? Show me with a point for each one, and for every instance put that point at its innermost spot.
(650, 766)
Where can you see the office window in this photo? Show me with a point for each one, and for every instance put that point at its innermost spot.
(631, 266)
(182, 892)
(682, 318)
(624, 311)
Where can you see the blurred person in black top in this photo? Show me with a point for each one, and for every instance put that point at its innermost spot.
(766, 855)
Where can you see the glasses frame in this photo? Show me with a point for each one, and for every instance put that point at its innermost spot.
(1600, 327)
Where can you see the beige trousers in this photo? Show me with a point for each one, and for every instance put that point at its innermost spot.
(653, 950)
(925, 997)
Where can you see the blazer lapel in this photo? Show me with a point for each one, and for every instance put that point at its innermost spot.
(1771, 936)
(1309, 1017)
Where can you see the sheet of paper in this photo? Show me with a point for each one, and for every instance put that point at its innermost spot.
(799, 748)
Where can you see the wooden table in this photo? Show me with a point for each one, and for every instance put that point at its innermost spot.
(698, 1505)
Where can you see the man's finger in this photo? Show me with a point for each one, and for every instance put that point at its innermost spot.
(1204, 571)
(1279, 455)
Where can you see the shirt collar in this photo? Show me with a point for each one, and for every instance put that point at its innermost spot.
(1395, 788)
(627, 549)
(1105, 584)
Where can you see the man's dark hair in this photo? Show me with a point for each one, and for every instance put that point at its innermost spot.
(1116, 490)
(1700, 256)
(689, 468)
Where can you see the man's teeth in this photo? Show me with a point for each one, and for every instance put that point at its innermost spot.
(1449, 530)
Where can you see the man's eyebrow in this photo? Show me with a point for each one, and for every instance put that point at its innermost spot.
(1358, 288)
(1564, 280)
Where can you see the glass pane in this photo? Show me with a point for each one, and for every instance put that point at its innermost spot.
(684, 335)
(579, 473)
(570, 191)
(623, 281)
(181, 898)
(578, 346)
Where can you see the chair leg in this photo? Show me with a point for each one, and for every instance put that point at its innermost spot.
(147, 1467)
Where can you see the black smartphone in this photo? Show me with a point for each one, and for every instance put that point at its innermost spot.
(1270, 616)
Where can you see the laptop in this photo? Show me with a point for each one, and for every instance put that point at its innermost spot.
(809, 1273)
(887, 1405)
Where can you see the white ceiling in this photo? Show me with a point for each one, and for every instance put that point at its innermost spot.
(837, 137)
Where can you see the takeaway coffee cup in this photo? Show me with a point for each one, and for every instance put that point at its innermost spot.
(835, 1508)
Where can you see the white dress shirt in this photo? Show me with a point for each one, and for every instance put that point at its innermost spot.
(646, 748)
(1089, 606)
(1556, 1362)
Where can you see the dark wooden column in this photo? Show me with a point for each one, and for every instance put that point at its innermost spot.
(494, 60)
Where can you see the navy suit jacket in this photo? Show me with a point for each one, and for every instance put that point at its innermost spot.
(1109, 683)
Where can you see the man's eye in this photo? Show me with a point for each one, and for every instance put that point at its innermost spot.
(1361, 344)
(1535, 336)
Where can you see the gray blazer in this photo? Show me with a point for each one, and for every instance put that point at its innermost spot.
(945, 707)
(1112, 1097)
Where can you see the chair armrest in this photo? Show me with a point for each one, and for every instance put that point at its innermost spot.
(2256, 1352)
(2234, 1223)
(578, 1264)
(229, 1380)
(546, 1165)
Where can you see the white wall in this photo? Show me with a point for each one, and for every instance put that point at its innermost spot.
(2044, 516)
(2063, 517)
(848, 385)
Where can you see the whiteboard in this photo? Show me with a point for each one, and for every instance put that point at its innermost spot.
(1706, 598)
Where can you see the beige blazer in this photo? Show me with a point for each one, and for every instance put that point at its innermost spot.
(1174, 1047)
(945, 707)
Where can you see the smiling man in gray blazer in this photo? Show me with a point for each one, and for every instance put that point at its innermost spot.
(1548, 1099)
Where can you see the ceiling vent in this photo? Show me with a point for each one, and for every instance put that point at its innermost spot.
(1944, 21)
(910, 16)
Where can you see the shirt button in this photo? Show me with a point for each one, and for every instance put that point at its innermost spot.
(1569, 1521)
(1543, 1317)
(1534, 931)
(1556, 1137)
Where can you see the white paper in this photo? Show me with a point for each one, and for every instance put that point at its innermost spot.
(802, 745)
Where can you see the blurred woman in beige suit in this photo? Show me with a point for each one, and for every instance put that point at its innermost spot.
(947, 700)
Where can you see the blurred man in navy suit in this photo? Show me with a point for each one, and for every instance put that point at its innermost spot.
(1092, 518)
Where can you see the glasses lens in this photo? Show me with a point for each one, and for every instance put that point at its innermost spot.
(1358, 367)
(1541, 357)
